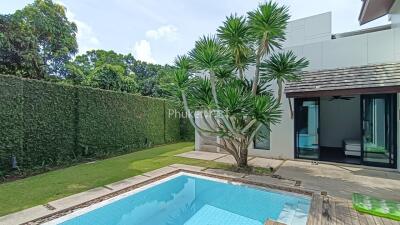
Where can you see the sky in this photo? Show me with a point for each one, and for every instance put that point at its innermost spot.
(156, 31)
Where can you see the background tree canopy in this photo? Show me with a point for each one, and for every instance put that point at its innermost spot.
(113, 71)
(39, 42)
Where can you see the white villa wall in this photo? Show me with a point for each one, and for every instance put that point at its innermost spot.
(311, 38)
(314, 43)
(395, 14)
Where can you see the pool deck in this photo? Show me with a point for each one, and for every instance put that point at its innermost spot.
(324, 209)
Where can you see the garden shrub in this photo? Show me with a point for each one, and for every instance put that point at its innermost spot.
(50, 124)
(112, 121)
(187, 131)
(172, 132)
(10, 119)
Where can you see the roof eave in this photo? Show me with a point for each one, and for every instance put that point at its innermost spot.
(372, 10)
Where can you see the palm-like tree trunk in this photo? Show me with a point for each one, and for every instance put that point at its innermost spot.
(213, 88)
(256, 73)
(280, 90)
(241, 74)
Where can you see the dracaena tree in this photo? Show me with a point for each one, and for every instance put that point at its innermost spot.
(210, 80)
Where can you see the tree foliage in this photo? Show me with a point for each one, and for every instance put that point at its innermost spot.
(37, 40)
(118, 72)
(228, 105)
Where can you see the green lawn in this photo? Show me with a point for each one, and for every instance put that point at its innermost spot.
(40, 189)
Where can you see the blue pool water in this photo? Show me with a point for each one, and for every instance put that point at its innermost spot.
(187, 200)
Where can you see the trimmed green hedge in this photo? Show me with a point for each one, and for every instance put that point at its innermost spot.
(187, 131)
(111, 121)
(49, 116)
(172, 132)
(47, 124)
(11, 125)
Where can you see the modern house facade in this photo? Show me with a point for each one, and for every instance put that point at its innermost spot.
(346, 107)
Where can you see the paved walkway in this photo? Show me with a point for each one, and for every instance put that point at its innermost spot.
(342, 181)
(339, 181)
(224, 158)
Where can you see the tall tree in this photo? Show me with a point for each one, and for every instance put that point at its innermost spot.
(51, 40)
(281, 68)
(18, 49)
(231, 108)
(267, 26)
(103, 69)
(234, 34)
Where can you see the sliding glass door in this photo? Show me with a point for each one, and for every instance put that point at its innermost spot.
(307, 128)
(379, 130)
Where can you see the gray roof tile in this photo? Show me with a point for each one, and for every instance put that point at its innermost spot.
(369, 76)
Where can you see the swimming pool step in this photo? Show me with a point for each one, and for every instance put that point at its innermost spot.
(294, 214)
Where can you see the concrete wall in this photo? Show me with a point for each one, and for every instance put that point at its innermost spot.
(394, 15)
(371, 48)
(309, 30)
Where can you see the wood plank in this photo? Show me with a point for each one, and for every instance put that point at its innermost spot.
(330, 220)
(318, 210)
(271, 222)
(312, 215)
(361, 217)
(354, 215)
(343, 212)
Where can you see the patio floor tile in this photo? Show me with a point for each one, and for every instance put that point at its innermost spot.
(79, 198)
(226, 159)
(201, 155)
(159, 172)
(265, 163)
(342, 181)
(225, 173)
(270, 180)
(24, 215)
(187, 167)
(127, 182)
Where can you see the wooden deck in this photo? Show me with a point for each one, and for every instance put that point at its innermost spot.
(335, 211)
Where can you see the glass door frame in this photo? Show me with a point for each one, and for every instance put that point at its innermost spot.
(297, 102)
(392, 128)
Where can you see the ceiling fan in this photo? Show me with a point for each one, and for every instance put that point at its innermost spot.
(340, 98)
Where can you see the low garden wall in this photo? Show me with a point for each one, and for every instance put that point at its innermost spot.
(47, 124)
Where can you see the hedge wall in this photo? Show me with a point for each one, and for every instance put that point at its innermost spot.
(48, 124)
(111, 121)
(11, 125)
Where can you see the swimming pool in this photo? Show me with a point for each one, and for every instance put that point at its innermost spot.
(186, 199)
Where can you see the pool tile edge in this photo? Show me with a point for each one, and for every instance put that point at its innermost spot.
(151, 177)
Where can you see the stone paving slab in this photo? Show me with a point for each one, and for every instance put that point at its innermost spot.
(270, 180)
(159, 172)
(127, 182)
(79, 198)
(202, 155)
(224, 173)
(226, 159)
(265, 163)
(342, 181)
(187, 167)
(25, 215)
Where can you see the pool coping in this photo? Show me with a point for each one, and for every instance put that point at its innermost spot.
(160, 174)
